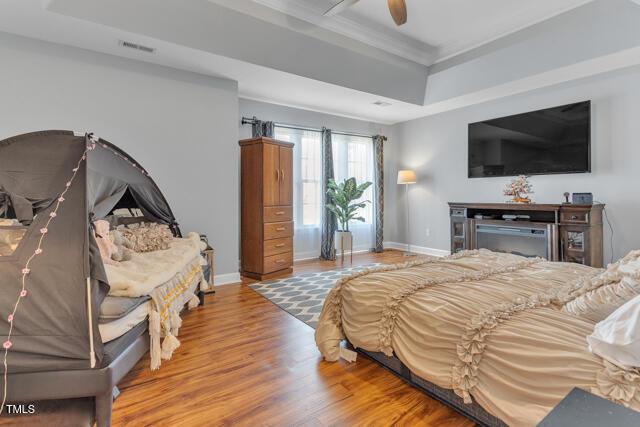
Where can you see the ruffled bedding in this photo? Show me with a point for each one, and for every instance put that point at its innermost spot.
(487, 325)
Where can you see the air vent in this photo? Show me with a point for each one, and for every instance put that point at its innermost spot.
(136, 46)
(382, 104)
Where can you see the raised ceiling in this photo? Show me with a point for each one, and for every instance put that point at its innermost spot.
(443, 27)
(288, 54)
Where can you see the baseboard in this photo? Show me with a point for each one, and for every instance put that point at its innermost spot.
(226, 279)
(423, 250)
(306, 256)
(230, 278)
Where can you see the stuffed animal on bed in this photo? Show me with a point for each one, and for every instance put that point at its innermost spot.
(105, 245)
(122, 252)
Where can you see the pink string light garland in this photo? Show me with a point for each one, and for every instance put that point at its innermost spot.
(7, 344)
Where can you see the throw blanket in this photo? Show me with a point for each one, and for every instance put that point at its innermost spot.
(146, 271)
(171, 278)
(486, 325)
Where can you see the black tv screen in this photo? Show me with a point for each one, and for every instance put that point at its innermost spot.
(550, 141)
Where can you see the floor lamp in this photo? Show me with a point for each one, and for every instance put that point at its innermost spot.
(407, 177)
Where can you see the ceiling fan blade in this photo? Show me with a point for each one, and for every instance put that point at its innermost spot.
(340, 7)
(398, 10)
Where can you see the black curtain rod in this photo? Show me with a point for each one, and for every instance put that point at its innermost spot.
(250, 121)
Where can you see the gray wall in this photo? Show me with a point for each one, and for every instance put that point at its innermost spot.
(226, 32)
(181, 126)
(436, 147)
(282, 114)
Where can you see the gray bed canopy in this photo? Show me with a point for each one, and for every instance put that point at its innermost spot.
(53, 184)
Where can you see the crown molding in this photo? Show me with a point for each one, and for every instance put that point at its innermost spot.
(358, 29)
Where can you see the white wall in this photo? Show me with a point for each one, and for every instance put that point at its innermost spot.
(181, 126)
(436, 147)
(281, 114)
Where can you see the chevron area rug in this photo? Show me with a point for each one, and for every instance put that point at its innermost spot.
(303, 295)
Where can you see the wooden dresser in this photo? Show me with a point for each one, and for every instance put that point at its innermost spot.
(266, 227)
(571, 233)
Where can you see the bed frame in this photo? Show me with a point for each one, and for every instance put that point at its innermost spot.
(94, 383)
(97, 383)
(473, 411)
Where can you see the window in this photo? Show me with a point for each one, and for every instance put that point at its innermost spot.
(307, 174)
(352, 157)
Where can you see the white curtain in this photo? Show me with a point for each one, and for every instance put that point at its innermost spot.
(352, 157)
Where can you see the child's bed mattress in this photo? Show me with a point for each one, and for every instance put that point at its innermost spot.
(114, 348)
(118, 327)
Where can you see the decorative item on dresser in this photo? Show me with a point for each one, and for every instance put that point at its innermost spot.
(557, 232)
(266, 207)
(518, 189)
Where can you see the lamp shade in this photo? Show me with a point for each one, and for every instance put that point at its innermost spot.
(407, 177)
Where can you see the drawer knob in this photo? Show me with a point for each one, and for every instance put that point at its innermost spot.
(280, 213)
(281, 228)
(574, 216)
(280, 245)
(280, 261)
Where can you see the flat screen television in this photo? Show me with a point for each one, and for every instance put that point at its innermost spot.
(551, 141)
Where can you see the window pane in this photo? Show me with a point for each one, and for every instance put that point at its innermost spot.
(311, 203)
(353, 157)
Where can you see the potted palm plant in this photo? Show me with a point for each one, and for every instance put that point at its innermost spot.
(343, 203)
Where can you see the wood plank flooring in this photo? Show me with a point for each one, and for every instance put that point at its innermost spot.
(244, 361)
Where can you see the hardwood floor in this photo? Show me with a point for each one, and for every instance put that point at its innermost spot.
(244, 361)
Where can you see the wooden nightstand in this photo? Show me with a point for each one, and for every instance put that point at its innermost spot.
(210, 255)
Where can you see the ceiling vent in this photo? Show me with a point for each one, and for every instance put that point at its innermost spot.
(136, 46)
(382, 104)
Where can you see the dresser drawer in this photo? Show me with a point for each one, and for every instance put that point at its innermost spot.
(278, 230)
(574, 217)
(278, 262)
(278, 214)
(278, 246)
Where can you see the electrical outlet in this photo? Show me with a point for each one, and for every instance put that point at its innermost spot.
(428, 232)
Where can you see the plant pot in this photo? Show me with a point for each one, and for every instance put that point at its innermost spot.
(343, 241)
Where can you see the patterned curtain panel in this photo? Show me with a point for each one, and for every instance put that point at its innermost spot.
(260, 128)
(268, 129)
(256, 128)
(329, 223)
(378, 190)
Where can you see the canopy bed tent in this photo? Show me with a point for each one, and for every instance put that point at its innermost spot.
(53, 185)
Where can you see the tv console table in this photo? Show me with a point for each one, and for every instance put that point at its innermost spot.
(558, 232)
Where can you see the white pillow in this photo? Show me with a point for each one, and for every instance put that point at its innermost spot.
(617, 338)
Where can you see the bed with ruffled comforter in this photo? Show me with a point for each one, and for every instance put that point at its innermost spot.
(489, 326)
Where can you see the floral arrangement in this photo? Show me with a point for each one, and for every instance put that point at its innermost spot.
(518, 188)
